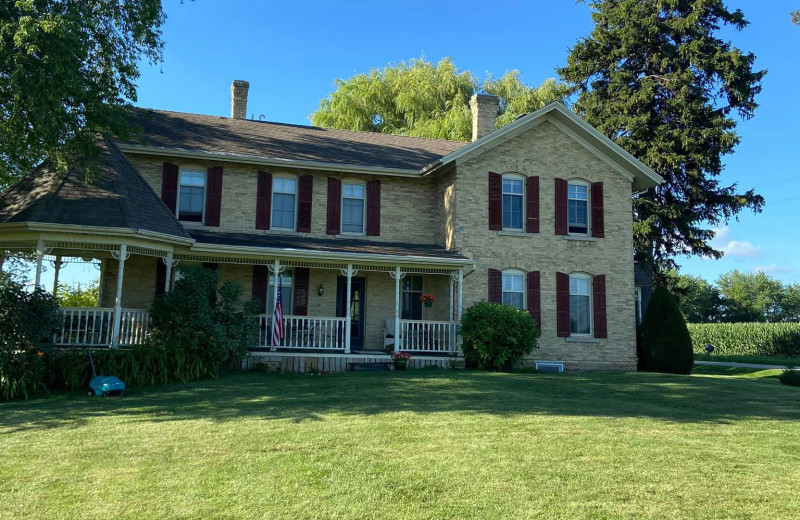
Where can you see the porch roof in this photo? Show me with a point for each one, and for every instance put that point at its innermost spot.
(346, 246)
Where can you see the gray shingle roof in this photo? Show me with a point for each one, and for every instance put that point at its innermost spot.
(328, 245)
(179, 130)
(118, 197)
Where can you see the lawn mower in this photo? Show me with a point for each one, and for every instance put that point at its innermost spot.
(104, 385)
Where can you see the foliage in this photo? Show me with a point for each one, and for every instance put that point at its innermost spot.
(78, 295)
(497, 336)
(68, 71)
(28, 322)
(666, 344)
(657, 78)
(698, 300)
(747, 339)
(424, 99)
(795, 17)
(204, 321)
(790, 376)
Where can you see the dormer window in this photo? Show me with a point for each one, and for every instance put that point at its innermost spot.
(191, 195)
(578, 208)
(284, 202)
(513, 202)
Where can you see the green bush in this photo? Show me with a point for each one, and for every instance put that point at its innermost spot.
(28, 322)
(790, 376)
(496, 336)
(747, 339)
(666, 344)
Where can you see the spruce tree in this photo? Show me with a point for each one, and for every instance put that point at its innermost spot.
(666, 345)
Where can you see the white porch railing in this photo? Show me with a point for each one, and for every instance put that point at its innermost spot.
(304, 332)
(428, 336)
(94, 326)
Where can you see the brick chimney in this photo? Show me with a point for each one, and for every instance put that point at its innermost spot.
(484, 113)
(239, 89)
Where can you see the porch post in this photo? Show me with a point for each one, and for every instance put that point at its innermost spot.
(276, 272)
(452, 316)
(57, 268)
(168, 261)
(39, 257)
(397, 308)
(348, 324)
(460, 293)
(123, 255)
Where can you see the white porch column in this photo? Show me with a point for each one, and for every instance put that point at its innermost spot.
(57, 269)
(452, 314)
(123, 255)
(39, 257)
(169, 262)
(397, 277)
(348, 324)
(276, 272)
(460, 293)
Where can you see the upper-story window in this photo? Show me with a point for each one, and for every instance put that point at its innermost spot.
(580, 304)
(191, 195)
(284, 202)
(513, 202)
(353, 195)
(514, 289)
(411, 292)
(578, 207)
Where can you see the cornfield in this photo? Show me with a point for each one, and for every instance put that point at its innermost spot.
(747, 339)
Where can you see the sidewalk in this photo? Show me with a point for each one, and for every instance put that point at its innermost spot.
(739, 365)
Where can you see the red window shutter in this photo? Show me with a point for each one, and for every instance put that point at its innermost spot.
(263, 200)
(304, 195)
(374, 208)
(598, 220)
(599, 304)
(161, 276)
(301, 291)
(169, 186)
(562, 305)
(259, 289)
(334, 206)
(534, 298)
(561, 207)
(532, 204)
(213, 196)
(495, 201)
(495, 286)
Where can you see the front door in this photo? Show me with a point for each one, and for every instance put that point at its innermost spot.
(357, 305)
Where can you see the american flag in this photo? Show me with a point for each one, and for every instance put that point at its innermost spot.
(278, 332)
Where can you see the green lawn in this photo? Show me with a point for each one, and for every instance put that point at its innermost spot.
(421, 444)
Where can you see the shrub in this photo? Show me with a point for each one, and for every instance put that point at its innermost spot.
(496, 336)
(28, 322)
(790, 376)
(666, 344)
(747, 339)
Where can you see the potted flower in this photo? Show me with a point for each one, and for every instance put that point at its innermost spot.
(427, 299)
(400, 360)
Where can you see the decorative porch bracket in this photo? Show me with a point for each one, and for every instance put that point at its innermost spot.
(40, 252)
(170, 262)
(122, 256)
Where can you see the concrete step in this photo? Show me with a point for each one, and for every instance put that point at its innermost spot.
(375, 366)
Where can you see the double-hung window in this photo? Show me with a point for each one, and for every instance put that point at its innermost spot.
(580, 304)
(284, 202)
(513, 189)
(411, 290)
(514, 289)
(286, 293)
(191, 195)
(353, 195)
(578, 208)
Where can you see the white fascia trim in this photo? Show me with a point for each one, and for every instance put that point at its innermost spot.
(337, 257)
(99, 230)
(266, 161)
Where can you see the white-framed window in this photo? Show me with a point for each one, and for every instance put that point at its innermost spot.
(513, 202)
(514, 289)
(353, 207)
(191, 195)
(284, 202)
(286, 293)
(411, 290)
(578, 207)
(580, 304)
(637, 294)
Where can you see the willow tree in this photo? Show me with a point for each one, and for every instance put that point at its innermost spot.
(657, 78)
(425, 99)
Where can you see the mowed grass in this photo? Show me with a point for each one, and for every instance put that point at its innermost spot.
(420, 444)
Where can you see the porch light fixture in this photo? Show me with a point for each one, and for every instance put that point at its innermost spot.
(320, 290)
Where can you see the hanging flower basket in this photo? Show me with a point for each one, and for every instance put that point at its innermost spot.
(427, 299)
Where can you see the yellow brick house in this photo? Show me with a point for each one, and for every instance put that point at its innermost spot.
(357, 226)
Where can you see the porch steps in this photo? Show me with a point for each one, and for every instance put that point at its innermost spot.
(375, 366)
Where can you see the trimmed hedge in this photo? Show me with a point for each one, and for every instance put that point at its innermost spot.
(747, 339)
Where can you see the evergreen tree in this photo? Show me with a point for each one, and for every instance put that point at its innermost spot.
(666, 345)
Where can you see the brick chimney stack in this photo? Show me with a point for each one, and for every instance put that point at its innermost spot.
(239, 89)
(484, 113)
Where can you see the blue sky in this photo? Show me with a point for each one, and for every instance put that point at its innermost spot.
(292, 52)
